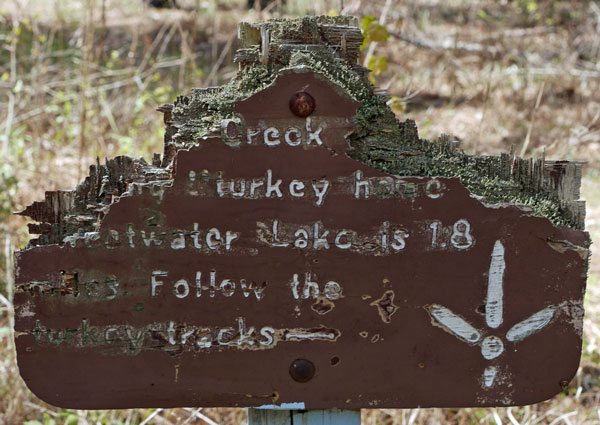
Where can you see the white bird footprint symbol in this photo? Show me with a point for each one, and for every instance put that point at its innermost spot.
(491, 346)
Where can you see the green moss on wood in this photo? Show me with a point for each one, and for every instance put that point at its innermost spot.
(380, 140)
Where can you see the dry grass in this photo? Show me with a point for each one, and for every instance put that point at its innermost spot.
(80, 79)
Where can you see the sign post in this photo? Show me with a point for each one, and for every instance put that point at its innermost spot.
(305, 417)
(265, 263)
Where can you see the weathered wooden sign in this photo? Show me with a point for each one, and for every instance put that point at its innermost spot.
(268, 267)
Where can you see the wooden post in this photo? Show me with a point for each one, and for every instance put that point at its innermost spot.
(303, 417)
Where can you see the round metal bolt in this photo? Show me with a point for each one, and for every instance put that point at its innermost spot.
(302, 370)
(302, 104)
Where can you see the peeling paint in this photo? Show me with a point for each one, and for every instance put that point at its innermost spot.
(564, 246)
(385, 306)
(322, 306)
(284, 406)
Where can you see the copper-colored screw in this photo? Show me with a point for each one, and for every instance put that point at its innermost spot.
(302, 104)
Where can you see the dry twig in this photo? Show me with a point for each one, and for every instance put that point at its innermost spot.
(446, 44)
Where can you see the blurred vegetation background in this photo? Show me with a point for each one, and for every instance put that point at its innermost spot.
(82, 79)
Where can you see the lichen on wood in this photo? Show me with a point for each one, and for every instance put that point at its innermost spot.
(380, 140)
(330, 47)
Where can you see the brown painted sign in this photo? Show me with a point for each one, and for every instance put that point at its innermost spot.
(275, 270)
